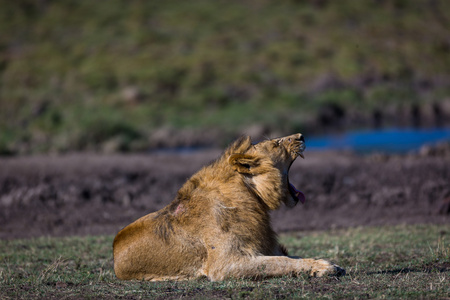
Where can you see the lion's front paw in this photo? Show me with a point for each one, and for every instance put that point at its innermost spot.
(323, 267)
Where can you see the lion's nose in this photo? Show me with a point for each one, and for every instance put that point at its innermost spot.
(299, 137)
(295, 138)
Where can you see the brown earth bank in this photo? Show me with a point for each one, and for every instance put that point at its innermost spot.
(89, 194)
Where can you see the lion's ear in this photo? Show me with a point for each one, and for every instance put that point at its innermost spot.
(243, 163)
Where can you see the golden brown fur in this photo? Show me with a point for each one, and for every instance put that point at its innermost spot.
(219, 224)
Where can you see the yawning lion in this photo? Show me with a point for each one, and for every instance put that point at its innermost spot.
(218, 225)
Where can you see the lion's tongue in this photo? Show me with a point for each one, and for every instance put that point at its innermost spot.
(300, 196)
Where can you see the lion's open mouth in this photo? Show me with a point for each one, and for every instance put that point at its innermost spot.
(296, 194)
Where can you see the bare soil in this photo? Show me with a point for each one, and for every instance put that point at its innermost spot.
(89, 194)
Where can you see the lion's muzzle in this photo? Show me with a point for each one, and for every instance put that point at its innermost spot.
(296, 144)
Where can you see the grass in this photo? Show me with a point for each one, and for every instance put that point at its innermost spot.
(207, 64)
(402, 262)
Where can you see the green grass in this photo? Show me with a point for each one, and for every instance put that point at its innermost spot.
(381, 262)
(213, 64)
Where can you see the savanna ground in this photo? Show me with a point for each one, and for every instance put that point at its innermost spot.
(385, 218)
(407, 262)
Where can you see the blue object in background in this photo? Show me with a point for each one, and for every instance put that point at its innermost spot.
(383, 140)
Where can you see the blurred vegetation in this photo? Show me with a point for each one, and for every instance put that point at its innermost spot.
(80, 74)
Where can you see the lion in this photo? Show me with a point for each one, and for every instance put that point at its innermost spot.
(218, 225)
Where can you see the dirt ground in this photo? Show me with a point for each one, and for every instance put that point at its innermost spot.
(89, 194)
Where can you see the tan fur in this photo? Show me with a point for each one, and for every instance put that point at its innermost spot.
(219, 224)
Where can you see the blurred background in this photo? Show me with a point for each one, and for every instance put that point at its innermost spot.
(159, 79)
(120, 76)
